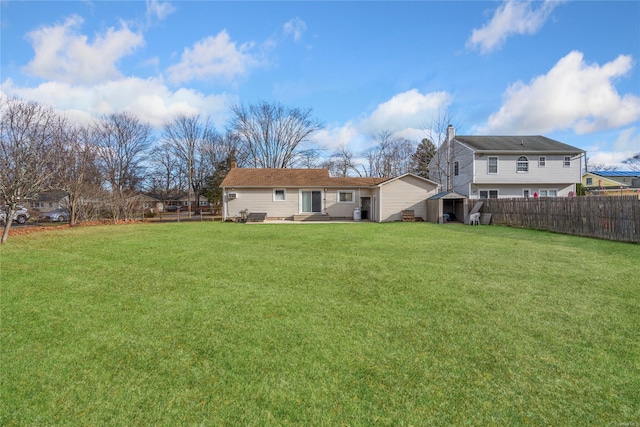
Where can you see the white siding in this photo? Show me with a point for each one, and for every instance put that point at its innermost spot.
(261, 200)
(506, 191)
(460, 183)
(553, 172)
(345, 209)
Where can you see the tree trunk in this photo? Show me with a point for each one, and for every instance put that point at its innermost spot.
(7, 224)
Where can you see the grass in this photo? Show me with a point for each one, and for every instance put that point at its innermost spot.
(320, 324)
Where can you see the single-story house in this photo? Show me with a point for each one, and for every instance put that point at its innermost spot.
(48, 201)
(611, 183)
(311, 194)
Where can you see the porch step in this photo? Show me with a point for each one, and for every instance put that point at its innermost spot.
(311, 217)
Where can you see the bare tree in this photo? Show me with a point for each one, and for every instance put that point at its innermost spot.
(633, 162)
(122, 143)
(390, 157)
(309, 158)
(165, 177)
(591, 166)
(78, 173)
(341, 163)
(183, 134)
(198, 147)
(441, 131)
(29, 134)
(270, 134)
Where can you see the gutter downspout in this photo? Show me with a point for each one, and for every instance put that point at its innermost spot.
(224, 204)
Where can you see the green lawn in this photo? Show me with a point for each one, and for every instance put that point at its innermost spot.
(318, 324)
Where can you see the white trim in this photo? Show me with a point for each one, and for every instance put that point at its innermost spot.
(542, 161)
(488, 194)
(353, 195)
(311, 190)
(400, 177)
(489, 165)
(284, 195)
(547, 190)
(525, 164)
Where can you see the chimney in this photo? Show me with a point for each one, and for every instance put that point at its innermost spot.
(451, 133)
(234, 164)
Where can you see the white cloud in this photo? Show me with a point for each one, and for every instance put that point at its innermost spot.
(512, 17)
(332, 138)
(295, 27)
(405, 115)
(61, 54)
(572, 95)
(628, 140)
(410, 109)
(611, 158)
(214, 57)
(149, 99)
(625, 144)
(159, 9)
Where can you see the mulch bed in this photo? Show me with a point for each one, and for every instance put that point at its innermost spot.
(20, 231)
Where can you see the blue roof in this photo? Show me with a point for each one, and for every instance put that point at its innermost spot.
(616, 173)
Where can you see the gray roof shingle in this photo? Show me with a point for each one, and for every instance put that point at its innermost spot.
(517, 143)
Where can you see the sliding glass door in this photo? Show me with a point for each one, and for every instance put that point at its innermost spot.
(311, 201)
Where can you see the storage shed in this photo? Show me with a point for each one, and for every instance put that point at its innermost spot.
(446, 206)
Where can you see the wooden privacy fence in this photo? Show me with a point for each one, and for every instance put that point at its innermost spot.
(604, 217)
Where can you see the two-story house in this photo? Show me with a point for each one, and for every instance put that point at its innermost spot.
(483, 167)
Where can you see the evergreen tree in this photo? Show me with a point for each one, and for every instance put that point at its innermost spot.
(212, 190)
(421, 158)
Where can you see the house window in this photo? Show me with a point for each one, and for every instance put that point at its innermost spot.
(589, 181)
(548, 193)
(279, 195)
(542, 161)
(526, 193)
(523, 164)
(567, 161)
(456, 168)
(492, 164)
(488, 194)
(345, 196)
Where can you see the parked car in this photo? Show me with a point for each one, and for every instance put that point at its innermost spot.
(56, 215)
(21, 215)
(174, 208)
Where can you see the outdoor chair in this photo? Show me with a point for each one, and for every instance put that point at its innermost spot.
(474, 219)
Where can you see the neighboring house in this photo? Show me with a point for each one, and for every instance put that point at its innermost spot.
(149, 202)
(611, 183)
(483, 167)
(48, 201)
(303, 194)
(185, 200)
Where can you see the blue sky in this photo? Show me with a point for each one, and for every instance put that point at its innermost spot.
(564, 69)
